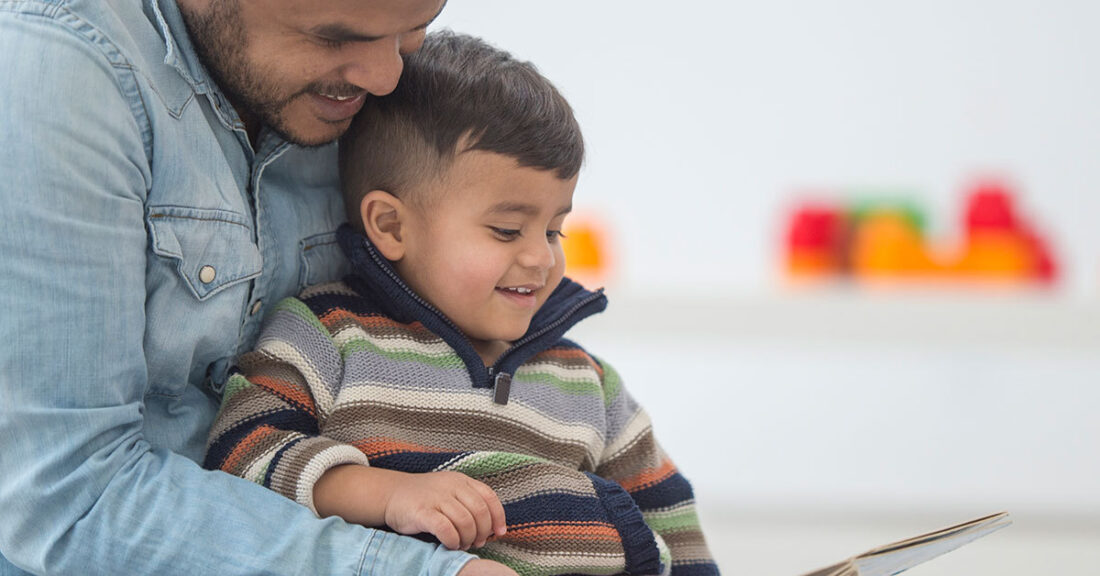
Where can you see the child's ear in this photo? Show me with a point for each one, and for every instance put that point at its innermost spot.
(383, 215)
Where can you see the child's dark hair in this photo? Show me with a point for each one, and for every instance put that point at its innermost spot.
(457, 93)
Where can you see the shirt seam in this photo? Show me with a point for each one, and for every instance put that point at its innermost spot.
(61, 18)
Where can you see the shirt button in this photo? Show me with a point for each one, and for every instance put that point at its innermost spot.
(256, 307)
(207, 274)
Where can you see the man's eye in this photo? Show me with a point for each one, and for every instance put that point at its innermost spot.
(505, 234)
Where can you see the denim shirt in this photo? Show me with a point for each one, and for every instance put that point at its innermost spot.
(143, 237)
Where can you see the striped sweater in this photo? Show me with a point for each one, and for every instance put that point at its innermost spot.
(364, 371)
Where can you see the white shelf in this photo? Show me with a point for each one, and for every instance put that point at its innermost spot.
(928, 318)
(905, 399)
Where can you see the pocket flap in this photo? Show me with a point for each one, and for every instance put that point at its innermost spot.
(213, 248)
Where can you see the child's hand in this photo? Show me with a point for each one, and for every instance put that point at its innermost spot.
(458, 510)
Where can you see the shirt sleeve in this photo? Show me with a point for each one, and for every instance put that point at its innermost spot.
(635, 460)
(82, 490)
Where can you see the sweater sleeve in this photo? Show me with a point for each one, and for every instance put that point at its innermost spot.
(267, 430)
(560, 520)
(633, 458)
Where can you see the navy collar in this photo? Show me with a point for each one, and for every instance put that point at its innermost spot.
(375, 278)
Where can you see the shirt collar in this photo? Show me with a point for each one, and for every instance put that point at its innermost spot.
(179, 52)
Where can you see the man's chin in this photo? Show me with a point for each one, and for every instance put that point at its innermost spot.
(312, 135)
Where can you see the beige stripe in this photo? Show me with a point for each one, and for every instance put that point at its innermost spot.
(638, 426)
(568, 373)
(334, 455)
(289, 354)
(389, 339)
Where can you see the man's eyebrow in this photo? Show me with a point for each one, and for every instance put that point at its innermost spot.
(524, 209)
(338, 32)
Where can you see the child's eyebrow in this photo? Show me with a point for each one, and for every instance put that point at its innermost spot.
(524, 209)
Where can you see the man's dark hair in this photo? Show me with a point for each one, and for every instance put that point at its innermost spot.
(457, 93)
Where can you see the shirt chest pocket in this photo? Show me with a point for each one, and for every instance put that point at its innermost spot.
(212, 249)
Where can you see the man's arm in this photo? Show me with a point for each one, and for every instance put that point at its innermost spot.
(82, 491)
(635, 460)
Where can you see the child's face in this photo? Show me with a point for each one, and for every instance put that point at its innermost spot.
(485, 251)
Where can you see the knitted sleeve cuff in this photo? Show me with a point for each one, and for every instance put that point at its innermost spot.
(639, 545)
(299, 465)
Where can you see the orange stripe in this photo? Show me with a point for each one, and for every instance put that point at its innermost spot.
(649, 476)
(601, 532)
(568, 353)
(287, 391)
(377, 447)
(249, 442)
(332, 317)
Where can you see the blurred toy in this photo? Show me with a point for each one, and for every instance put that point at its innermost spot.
(998, 243)
(816, 242)
(587, 250)
(877, 239)
(888, 244)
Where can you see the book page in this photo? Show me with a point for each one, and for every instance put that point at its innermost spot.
(899, 556)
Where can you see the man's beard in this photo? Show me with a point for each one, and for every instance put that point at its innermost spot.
(221, 41)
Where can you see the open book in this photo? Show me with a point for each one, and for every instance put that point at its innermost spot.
(900, 556)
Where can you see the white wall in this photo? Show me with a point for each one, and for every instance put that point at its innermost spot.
(704, 118)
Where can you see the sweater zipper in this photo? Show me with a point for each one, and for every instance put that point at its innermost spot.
(502, 381)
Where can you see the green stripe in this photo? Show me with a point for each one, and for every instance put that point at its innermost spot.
(447, 360)
(487, 464)
(612, 384)
(583, 387)
(235, 384)
(298, 308)
(678, 521)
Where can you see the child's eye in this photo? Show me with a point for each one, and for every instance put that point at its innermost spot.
(554, 235)
(505, 234)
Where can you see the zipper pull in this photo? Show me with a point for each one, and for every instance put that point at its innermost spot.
(502, 386)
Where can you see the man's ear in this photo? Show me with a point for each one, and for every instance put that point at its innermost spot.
(383, 216)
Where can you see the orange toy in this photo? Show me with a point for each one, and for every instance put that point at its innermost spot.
(587, 251)
(888, 244)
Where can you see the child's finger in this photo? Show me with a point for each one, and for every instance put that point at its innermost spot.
(462, 520)
(475, 503)
(440, 526)
(496, 508)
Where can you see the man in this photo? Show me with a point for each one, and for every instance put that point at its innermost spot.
(166, 174)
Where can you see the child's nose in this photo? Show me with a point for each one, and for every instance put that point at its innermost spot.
(538, 254)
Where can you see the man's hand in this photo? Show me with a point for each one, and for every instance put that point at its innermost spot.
(479, 567)
(458, 510)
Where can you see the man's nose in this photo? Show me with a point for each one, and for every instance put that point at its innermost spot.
(376, 67)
